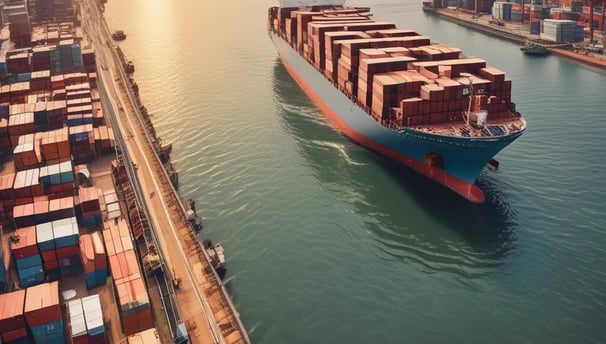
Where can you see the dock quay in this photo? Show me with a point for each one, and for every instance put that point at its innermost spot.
(207, 311)
(514, 32)
(96, 246)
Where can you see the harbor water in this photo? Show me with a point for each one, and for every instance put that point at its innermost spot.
(327, 242)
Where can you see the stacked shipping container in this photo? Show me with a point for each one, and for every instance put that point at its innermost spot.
(131, 293)
(12, 319)
(28, 260)
(561, 31)
(32, 313)
(112, 205)
(89, 207)
(401, 77)
(145, 337)
(94, 259)
(43, 313)
(86, 319)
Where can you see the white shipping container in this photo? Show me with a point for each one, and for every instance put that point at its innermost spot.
(76, 318)
(93, 315)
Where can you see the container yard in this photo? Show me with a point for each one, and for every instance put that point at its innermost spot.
(83, 259)
(575, 30)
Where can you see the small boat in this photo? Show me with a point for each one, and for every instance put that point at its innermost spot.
(192, 217)
(217, 257)
(534, 49)
(119, 35)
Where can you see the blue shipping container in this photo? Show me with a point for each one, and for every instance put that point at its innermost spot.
(91, 279)
(52, 275)
(2, 271)
(66, 241)
(51, 332)
(92, 221)
(31, 276)
(101, 276)
(24, 77)
(70, 270)
(55, 179)
(42, 218)
(66, 177)
(28, 262)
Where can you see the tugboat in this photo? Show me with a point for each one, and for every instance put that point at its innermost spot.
(534, 49)
(119, 35)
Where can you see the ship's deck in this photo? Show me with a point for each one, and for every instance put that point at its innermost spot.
(495, 128)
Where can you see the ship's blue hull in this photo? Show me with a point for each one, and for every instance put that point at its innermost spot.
(462, 157)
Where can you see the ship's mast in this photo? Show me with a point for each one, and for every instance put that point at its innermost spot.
(470, 96)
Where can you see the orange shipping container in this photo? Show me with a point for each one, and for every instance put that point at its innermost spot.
(124, 266)
(99, 251)
(87, 252)
(42, 304)
(11, 311)
(24, 242)
(6, 186)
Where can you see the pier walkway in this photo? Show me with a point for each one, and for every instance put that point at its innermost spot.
(206, 309)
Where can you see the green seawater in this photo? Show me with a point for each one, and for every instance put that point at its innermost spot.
(327, 242)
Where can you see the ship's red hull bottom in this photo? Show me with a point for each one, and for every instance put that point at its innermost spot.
(470, 191)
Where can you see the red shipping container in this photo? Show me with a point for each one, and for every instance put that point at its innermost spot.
(42, 304)
(68, 251)
(129, 324)
(14, 335)
(144, 319)
(49, 256)
(50, 265)
(11, 311)
(101, 339)
(81, 340)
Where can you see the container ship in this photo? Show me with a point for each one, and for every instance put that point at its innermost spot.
(392, 90)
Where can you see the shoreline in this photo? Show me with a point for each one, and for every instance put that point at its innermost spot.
(511, 32)
(204, 306)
